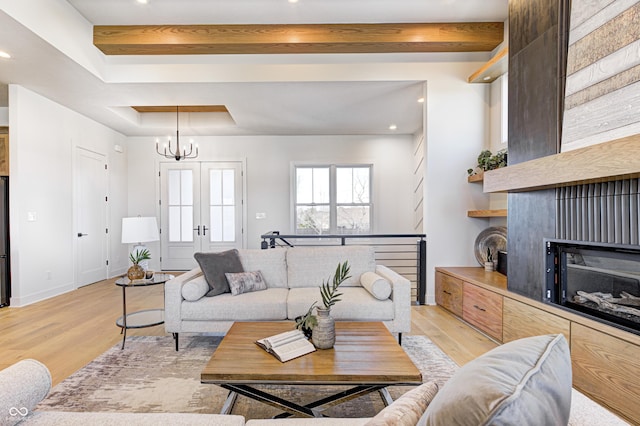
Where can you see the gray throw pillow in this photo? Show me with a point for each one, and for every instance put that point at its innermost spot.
(245, 282)
(215, 265)
(526, 382)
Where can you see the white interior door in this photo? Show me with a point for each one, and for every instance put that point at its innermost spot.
(201, 210)
(91, 216)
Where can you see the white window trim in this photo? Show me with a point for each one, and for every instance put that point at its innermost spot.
(333, 204)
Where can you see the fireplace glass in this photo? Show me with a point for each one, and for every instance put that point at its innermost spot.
(599, 280)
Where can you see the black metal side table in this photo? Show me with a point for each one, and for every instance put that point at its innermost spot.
(144, 318)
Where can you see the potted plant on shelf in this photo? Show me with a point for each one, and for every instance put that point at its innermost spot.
(324, 334)
(488, 161)
(136, 272)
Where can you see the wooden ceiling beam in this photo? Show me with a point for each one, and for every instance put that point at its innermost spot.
(285, 39)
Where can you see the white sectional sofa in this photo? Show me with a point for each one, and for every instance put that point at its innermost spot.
(293, 277)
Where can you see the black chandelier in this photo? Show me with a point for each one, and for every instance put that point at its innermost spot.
(177, 154)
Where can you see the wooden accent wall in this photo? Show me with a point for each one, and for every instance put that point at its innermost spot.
(603, 75)
(537, 40)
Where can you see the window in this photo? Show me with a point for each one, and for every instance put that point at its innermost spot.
(332, 199)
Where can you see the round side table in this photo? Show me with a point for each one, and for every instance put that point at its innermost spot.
(144, 318)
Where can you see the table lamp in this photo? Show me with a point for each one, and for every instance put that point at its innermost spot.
(139, 230)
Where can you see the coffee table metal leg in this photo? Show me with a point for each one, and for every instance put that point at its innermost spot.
(386, 397)
(272, 400)
(229, 403)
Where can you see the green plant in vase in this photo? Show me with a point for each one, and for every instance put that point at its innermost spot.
(136, 272)
(324, 332)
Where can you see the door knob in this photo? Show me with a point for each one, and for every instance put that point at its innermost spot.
(204, 229)
(80, 234)
(197, 229)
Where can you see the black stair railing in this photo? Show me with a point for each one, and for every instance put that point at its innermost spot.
(406, 254)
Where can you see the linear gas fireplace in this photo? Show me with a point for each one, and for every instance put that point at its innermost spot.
(598, 280)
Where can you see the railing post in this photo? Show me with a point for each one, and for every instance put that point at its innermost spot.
(422, 271)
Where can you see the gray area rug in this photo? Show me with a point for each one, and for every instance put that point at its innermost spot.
(150, 376)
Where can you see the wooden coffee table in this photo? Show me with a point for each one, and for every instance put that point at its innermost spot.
(365, 356)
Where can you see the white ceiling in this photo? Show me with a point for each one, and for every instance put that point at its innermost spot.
(265, 94)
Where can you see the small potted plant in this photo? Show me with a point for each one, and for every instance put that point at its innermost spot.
(136, 272)
(489, 266)
(324, 334)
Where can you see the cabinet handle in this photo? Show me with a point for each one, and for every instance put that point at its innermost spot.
(479, 308)
(446, 292)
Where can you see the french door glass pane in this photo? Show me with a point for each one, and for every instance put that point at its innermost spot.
(354, 219)
(215, 183)
(216, 223)
(187, 223)
(186, 188)
(228, 187)
(174, 187)
(312, 219)
(228, 224)
(174, 223)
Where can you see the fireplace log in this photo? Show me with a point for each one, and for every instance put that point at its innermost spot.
(605, 302)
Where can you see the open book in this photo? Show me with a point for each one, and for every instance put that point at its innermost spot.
(286, 346)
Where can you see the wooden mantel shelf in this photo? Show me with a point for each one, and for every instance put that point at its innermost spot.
(614, 160)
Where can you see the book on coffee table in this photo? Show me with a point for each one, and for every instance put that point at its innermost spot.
(287, 346)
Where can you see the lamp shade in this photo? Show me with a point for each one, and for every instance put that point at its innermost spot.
(139, 229)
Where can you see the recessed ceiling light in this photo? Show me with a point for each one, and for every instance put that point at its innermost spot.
(393, 127)
(487, 78)
(4, 55)
(293, 1)
(421, 100)
(143, 1)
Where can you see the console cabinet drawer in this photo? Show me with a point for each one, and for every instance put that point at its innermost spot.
(483, 309)
(449, 293)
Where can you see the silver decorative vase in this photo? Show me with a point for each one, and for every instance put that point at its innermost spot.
(324, 332)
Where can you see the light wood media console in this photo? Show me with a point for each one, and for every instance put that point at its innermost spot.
(606, 360)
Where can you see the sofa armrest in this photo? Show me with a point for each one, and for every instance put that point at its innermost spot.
(173, 300)
(401, 296)
(22, 386)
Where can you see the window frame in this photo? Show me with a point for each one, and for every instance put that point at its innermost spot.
(333, 203)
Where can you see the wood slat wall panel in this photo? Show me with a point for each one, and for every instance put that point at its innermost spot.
(603, 73)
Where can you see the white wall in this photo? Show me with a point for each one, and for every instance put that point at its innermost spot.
(268, 162)
(43, 139)
(457, 129)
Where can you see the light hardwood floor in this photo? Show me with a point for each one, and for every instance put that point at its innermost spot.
(68, 331)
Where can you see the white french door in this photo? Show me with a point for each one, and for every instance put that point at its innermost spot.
(201, 210)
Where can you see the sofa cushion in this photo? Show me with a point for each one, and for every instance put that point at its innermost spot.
(407, 410)
(24, 385)
(271, 263)
(245, 282)
(215, 265)
(266, 305)
(379, 287)
(524, 382)
(356, 304)
(310, 266)
(195, 289)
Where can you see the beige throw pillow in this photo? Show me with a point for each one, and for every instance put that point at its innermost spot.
(379, 287)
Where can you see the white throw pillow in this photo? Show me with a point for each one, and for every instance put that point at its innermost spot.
(379, 287)
(195, 289)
